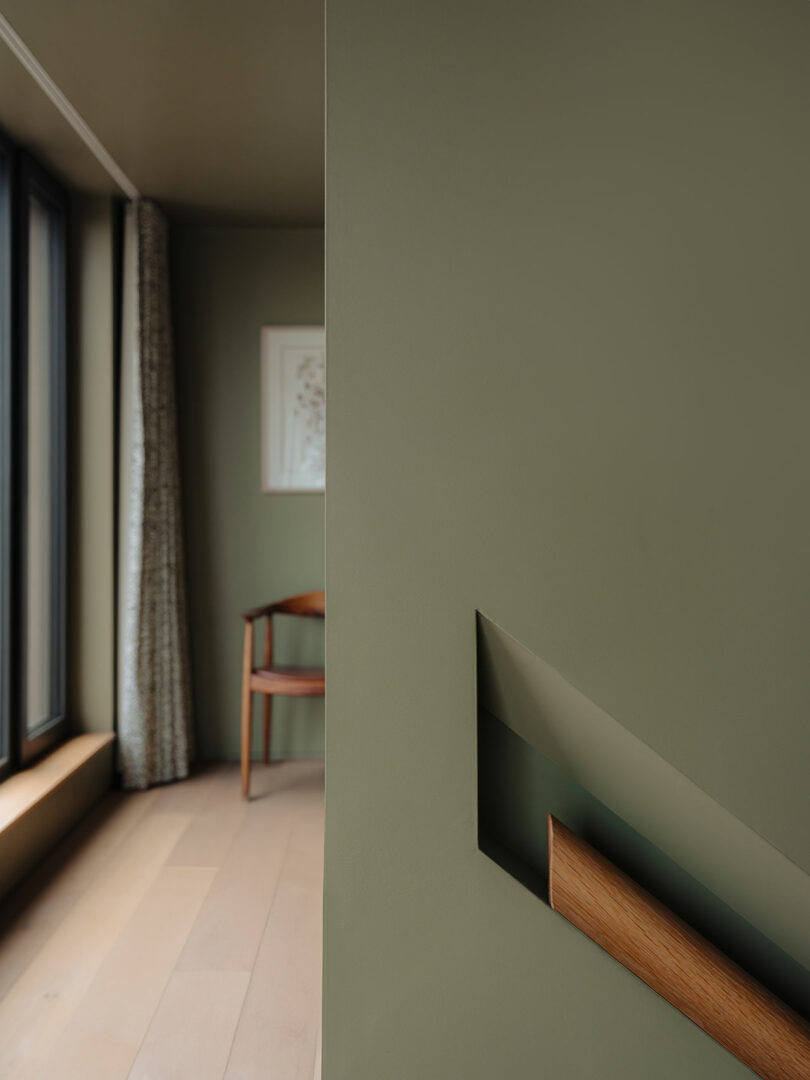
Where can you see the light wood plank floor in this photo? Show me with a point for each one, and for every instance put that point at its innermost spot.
(175, 935)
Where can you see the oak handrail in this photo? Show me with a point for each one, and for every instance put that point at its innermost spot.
(673, 959)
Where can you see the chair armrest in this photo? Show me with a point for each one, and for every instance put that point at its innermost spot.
(309, 604)
(257, 613)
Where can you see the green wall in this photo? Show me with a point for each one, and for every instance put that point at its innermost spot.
(243, 548)
(568, 385)
(91, 659)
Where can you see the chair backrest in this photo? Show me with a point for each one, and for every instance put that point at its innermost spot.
(311, 603)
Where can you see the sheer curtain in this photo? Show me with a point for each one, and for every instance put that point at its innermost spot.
(154, 712)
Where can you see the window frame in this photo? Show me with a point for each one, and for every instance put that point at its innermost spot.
(7, 194)
(34, 181)
(28, 179)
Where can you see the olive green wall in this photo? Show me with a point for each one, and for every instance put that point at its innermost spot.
(568, 386)
(243, 548)
(92, 466)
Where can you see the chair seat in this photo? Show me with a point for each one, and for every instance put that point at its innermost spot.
(291, 681)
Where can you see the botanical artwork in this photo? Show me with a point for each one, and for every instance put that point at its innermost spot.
(293, 409)
(310, 411)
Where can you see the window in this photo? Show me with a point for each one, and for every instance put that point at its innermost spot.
(33, 448)
(5, 455)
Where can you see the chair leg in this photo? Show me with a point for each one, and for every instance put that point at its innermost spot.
(246, 740)
(247, 668)
(268, 720)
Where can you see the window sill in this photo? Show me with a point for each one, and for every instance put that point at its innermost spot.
(42, 803)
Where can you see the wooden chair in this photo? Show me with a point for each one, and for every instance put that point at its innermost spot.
(274, 679)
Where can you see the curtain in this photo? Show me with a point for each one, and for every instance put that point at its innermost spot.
(154, 700)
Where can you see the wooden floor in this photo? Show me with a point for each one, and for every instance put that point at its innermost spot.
(176, 935)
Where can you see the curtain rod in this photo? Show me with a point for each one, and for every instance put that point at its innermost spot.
(52, 91)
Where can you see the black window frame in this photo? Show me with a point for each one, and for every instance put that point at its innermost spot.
(7, 740)
(30, 180)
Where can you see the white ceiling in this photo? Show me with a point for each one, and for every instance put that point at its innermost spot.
(216, 109)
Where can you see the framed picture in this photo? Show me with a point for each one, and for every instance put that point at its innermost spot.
(293, 408)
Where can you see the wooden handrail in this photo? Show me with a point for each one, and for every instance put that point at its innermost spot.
(673, 959)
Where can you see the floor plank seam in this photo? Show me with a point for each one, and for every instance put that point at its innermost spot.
(259, 940)
(166, 984)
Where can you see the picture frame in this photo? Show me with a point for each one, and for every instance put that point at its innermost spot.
(293, 410)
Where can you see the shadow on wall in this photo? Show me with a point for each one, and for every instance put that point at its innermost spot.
(518, 786)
